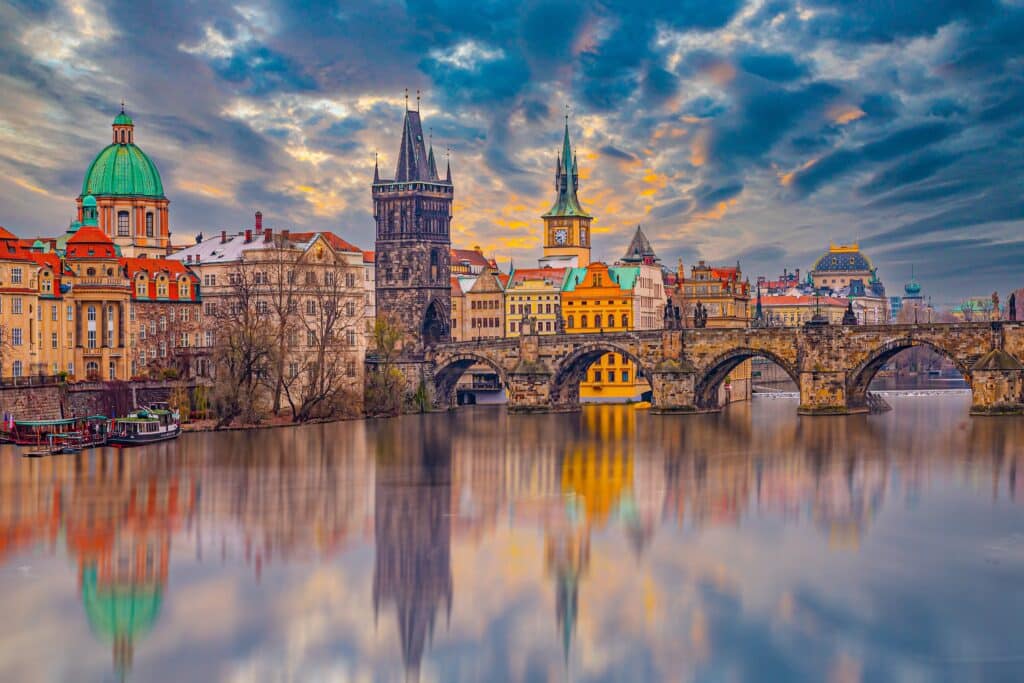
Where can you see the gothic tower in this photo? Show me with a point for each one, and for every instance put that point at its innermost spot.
(566, 224)
(413, 213)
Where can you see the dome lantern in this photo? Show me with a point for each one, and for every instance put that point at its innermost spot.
(124, 129)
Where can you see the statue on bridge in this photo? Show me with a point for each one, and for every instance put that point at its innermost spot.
(673, 321)
(849, 317)
(995, 306)
(1013, 306)
(700, 316)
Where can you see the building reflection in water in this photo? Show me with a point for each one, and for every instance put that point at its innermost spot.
(414, 486)
(412, 493)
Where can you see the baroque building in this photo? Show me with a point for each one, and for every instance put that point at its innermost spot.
(413, 214)
(132, 209)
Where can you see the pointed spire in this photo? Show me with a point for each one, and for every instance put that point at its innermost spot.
(412, 155)
(448, 172)
(640, 249)
(376, 169)
(431, 163)
(567, 181)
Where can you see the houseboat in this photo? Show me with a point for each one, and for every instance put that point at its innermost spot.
(146, 425)
(83, 432)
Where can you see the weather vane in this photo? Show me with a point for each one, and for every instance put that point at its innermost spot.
(407, 99)
(417, 99)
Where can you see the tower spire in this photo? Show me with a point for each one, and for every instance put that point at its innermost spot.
(448, 158)
(376, 168)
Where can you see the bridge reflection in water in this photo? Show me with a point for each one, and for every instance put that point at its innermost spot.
(482, 545)
(832, 365)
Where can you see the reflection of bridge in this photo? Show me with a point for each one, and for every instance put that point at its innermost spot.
(832, 365)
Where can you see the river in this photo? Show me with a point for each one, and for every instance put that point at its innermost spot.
(607, 545)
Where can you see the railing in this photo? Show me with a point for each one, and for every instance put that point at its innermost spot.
(32, 380)
(108, 282)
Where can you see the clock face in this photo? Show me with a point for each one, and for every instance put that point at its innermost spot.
(561, 235)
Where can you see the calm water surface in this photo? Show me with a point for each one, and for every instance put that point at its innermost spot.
(475, 546)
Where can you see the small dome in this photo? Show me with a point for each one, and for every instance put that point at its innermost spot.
(912, 288)
(123, 170)
(89, 201)
(123, 119)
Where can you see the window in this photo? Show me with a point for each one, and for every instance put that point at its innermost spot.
(171, 314)
(163, 349)
(571, 321)
(163, 323)
(71, 313)
(91, 337)
(597, 376)
(210, 280)
(161, 286)
(71, 368)
(262, 307)
(140, 287)
(53, 340)
(350, 309)
(350, 368)
(46, 284)
(90, 314)
(142, 333)
(112, 370)
(15, 276)
(311, 307)
(184, 340)
(310, 277)
(350, 280)
(293, 369)
(310, 338)
(583, 321)
(17, 368)
(350, 337)
(209, 338)
(123, 229)
(183, 289)
(597, 320)
(16, 305)
(53, 313)
(625, 320)
(16, 336)
(625, 376)
(149, 225)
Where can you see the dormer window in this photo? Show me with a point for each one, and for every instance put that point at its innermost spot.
(183, 289)
(90, 272)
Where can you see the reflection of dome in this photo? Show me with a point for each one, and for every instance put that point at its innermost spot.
(842, 258)
(120, 614)
(122, 169)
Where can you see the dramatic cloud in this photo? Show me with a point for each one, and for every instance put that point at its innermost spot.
(760, 129)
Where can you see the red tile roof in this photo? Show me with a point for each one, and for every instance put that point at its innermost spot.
(456, 287)
(152, 266)
(472, 256)
(368, 257)
(554, 274)
(90, 242)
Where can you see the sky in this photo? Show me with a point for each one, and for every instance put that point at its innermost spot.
(757, 130)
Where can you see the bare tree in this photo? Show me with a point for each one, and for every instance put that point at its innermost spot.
(332, 320)
(283, 273)
(243, 346)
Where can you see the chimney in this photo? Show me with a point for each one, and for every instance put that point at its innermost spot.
(259, 222)
(248, 236)
(223, 236)
(268, 235)
(798, 275)
(286, 234)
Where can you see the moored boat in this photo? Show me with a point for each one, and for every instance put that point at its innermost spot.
(146, 425)
(79, 432)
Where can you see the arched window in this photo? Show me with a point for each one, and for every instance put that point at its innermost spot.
(149, 225)
(583, 321)
(112, 370)
(123, 227)
(90, 314)
(434, 264)
(92, 370)
(571, 322)
(90, 272)
(625, 320)
(183, 288)
(597, 320)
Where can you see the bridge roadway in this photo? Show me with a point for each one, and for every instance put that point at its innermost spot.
(831, 364)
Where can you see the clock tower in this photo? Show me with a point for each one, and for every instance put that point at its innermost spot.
(566, 224)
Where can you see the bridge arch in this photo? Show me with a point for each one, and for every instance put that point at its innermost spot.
(572, 369)
(710, 378)
(448, 370)
(859, 378)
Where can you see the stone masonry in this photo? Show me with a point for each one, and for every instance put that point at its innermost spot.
(832, 365)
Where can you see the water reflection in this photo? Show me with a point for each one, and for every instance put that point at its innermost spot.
(606, 545)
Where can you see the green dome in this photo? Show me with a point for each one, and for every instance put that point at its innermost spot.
(122, 119)
(123, 170)
(89, 201)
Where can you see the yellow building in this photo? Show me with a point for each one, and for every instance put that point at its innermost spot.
(600, 298)
(534, 293)
(790, 311)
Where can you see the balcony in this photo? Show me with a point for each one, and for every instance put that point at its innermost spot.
(102, 282)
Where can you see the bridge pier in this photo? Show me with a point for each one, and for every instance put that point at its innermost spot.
(997, 385)
(673, 389)
(823, 392)
(529, 389)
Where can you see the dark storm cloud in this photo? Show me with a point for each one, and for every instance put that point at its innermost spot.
(258, 70)
(909, 171)
(885, 21)
(773, 66)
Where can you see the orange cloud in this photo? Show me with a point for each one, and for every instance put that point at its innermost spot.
(699, 149)
(786, 179)
(844, 114)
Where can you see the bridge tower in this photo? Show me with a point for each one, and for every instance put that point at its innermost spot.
(413, 213)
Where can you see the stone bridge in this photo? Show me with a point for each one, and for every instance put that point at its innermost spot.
(831, 364)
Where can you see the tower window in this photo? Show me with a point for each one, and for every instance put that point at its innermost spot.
(122, 224)
(149, 225)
